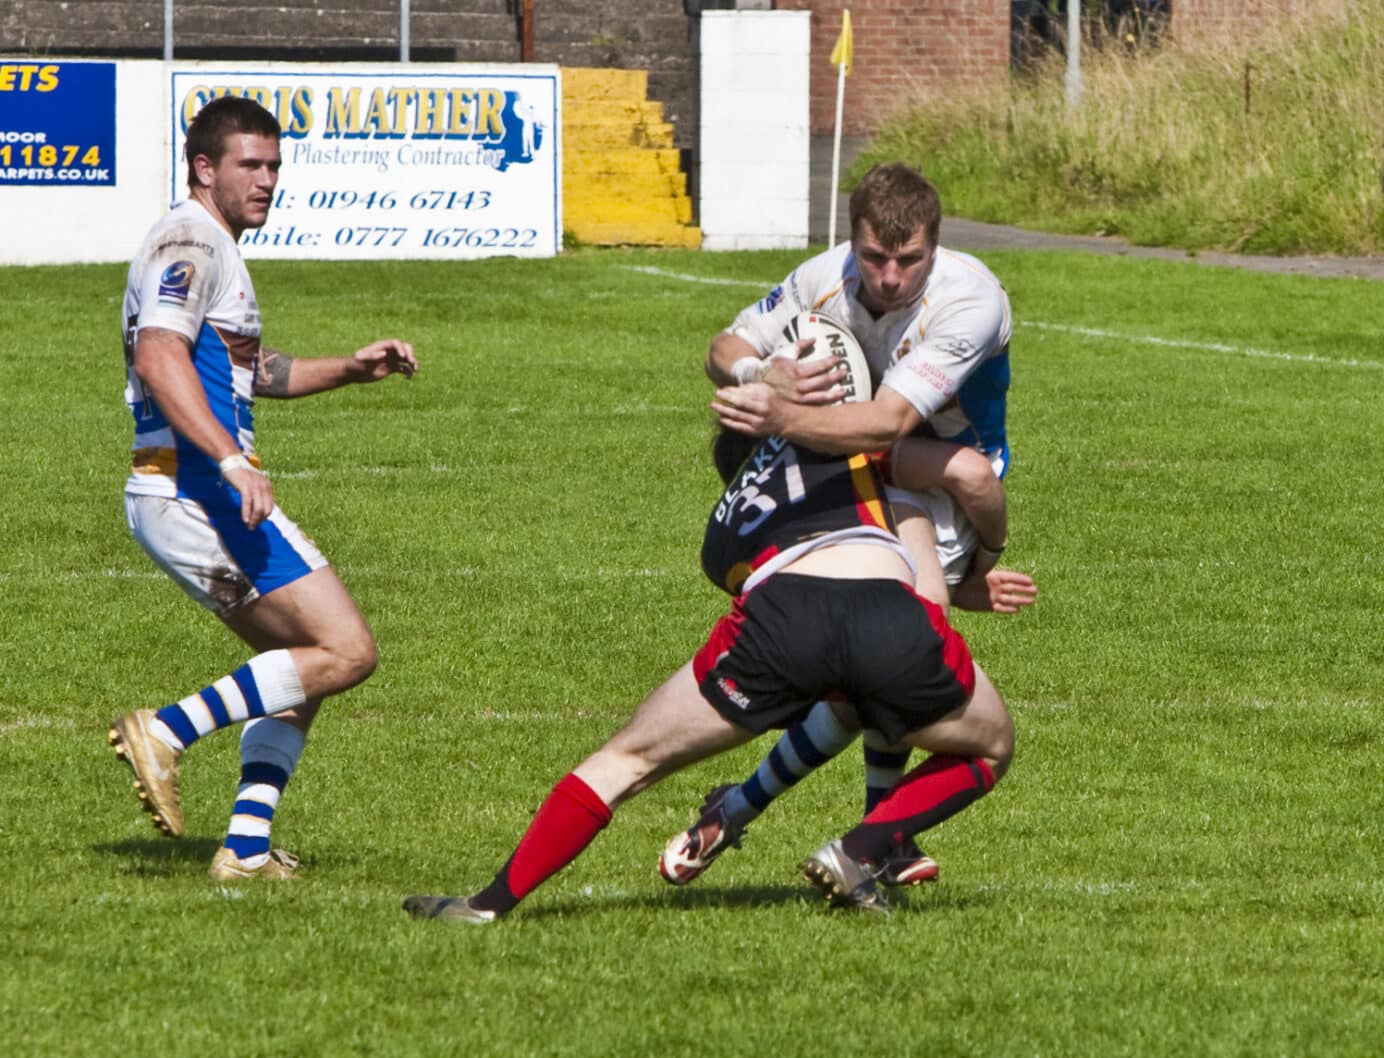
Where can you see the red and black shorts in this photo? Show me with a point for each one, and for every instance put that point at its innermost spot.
(795, 640)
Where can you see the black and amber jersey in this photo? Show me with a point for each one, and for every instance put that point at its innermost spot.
(785, 501)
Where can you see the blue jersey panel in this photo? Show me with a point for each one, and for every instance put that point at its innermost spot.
(983, 399)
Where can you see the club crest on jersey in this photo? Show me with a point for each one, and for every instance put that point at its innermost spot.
(770, 300)
(176, 281)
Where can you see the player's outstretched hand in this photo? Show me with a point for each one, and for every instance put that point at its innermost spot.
(388, 356)
(998, 591)
(1010, 590)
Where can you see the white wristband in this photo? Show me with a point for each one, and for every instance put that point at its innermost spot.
(235, 462)
(748, 369)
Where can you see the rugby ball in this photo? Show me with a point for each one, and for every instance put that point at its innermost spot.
(835, 341)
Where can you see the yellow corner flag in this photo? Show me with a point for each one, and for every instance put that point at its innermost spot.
(841, 53)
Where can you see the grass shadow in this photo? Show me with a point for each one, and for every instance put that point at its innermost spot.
(159, 857)
(711, 898)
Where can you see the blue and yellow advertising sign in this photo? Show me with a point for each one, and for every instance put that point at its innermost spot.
(401, 162)
(57, 123)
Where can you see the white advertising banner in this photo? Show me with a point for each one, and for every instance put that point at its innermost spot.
(397, 161)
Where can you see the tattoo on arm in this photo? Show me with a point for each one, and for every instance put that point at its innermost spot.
(272, 378)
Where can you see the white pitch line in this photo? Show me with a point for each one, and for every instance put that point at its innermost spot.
(1209, 347)
(649, 270)
(1089, 332)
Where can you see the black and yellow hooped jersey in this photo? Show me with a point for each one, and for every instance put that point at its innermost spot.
(784, 496)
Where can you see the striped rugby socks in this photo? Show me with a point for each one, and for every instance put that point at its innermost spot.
(269, 753)
(800, 750)
(266, 684)
(884, 767)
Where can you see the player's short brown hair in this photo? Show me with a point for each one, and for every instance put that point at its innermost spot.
(218, 121)
(896, 200)
(729, 450)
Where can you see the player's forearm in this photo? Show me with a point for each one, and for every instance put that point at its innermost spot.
(844, 429)
(972, 594)
(726, 349)
(165, 370)
(283, 377)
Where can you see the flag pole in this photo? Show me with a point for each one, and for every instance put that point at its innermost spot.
(841, 59)
(836, 154)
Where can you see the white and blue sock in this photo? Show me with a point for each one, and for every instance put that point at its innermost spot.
(800, 750)
(269, 754)
(266, 684)
(884, 767)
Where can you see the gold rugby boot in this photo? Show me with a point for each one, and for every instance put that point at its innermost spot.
(279, 866)
(155, 766)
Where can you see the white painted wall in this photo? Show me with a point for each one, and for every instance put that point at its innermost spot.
(753, 155)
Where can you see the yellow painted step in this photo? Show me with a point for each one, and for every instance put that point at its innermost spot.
(585, 82)
(674, 209)
(622, 181)
(613, 136)
(589, 194)
(579, 113)
(607, 233)
(597, 176)
(632, 161)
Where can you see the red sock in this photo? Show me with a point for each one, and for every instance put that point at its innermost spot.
(565, 824)
(935, 790)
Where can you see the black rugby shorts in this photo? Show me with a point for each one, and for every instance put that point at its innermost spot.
(795, 640)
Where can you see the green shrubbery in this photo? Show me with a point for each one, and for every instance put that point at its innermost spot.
(1267, 145)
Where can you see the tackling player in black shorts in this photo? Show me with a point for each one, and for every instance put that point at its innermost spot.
(823, 608)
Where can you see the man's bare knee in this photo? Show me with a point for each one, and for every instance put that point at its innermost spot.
(357, 659)
(1001, 750)
(336, 665)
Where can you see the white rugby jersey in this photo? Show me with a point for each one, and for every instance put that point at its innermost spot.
(947, 354)
(189, 277)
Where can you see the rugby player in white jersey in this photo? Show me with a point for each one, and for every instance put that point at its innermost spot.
(823, 605)
(200, 505)
(935, 326)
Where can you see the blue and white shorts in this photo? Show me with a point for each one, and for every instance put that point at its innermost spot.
(207, 550)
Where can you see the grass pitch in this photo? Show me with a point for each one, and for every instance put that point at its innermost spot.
(1184, 858)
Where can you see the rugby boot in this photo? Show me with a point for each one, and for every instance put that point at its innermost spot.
(155, 766)
(456, 908)
(690, 853)
(906, 864)
(845, 882)
(278, 866)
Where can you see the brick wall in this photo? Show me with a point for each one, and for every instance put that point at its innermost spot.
(904, 51)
